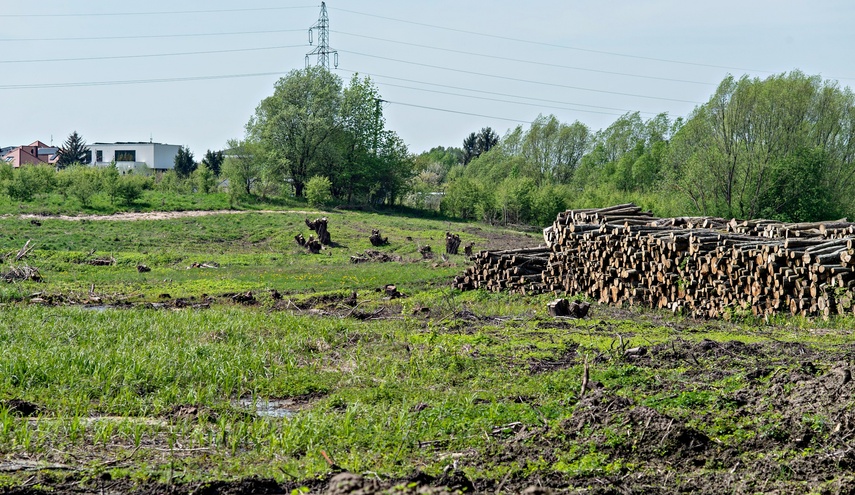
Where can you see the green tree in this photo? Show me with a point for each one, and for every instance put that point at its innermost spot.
(214, 161)
(83, 183)
(110, 177)
(298, 120)
(242, 166)
(319, 191)
(728, 156)
(479, 143)
(204, 178)
(74, 150)
(184, 163)
(130, 188)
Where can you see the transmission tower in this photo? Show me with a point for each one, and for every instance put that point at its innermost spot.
(323, 49)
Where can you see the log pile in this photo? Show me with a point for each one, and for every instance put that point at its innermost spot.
(702, 266)
(319, 225)
(515, 270)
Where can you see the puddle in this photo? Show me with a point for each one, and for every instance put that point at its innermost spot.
(269, 408)
(98, 308)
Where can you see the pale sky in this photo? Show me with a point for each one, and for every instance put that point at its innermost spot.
(91, 65)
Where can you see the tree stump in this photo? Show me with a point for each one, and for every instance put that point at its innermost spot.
(563, 307)
(319, 225)
(468, 249)
(376, 239)
(313, 245)
(426, 252)
(452, 243)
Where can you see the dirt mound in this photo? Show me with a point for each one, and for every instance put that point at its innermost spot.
(646, 433)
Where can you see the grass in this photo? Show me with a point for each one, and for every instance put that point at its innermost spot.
(155, 392)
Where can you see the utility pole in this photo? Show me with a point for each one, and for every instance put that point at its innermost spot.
(377, 113)
(323, 49)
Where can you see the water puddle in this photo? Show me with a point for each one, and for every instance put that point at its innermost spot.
(269, 408)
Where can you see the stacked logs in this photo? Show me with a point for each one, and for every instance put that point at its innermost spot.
(702, 266)
(514, 270)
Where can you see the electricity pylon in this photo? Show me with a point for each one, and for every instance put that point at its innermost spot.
(323, 49)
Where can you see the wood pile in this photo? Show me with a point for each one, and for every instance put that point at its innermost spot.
(319, 225)
(702, 266)
(514, 270)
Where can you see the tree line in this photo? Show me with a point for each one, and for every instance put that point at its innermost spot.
(782, 147)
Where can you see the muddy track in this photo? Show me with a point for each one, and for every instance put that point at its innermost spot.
(158, 215)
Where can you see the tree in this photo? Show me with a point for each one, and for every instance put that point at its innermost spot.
(74, 150)
(110, 181)
(242, 167)
(214, 161)
(733, 152)
(299, 120)
(184, 163)
(83, 183)
(204, 179)
(318, 191)
(130, 188)
(479, 143)
(486, 139)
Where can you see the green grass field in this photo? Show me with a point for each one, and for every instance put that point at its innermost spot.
(163, 380)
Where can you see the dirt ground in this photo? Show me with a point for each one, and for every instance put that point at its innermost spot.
(158, 215)
(794, 411)
(787, 385)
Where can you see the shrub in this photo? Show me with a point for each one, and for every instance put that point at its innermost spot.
(319, 191)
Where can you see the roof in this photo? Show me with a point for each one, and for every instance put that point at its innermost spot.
(131, 142)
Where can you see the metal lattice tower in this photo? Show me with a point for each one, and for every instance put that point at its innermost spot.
(323, 49)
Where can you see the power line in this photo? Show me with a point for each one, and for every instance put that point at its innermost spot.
(458, 112)
(496, 99)
(553, 45)
(491, 93)
(508, 59)
(136, 81)
(149, 55)
(149, 36)
(528, 81)
(172, 12)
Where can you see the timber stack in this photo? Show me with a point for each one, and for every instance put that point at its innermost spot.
(702, 266)
(514, 270)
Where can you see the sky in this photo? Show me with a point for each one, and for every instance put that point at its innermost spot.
(191, 72)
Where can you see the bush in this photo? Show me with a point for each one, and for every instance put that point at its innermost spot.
(130, 188)
(319, 191)
(83, 183)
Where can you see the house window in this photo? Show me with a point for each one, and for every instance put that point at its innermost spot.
(126, 155)
(99, 156)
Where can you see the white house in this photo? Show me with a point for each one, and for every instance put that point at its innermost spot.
(158, 157)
